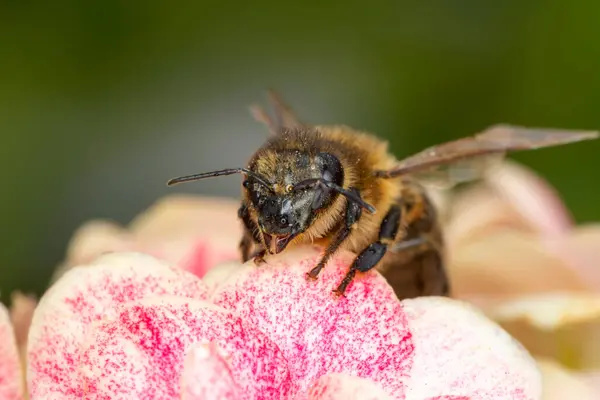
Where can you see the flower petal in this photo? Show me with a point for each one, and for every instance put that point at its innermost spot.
(21, 313)
(562, 326)
(177, 228)
(532, 197)
(364, 334)
(508, 263)
(11, 380)
(561, 384)
(140, 353)
(207, 375)
(459, 352)
(342, 386)
(181, 229)
(581, 252)
(177, 214)
(84, 295)
(479, 211)
(93, 239)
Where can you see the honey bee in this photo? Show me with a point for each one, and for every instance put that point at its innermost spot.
(341, 188)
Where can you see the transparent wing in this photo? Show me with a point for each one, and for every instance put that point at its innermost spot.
(284, 116)
(446, 176)
(470, 158)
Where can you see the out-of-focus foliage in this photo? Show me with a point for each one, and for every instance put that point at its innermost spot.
(102, 101)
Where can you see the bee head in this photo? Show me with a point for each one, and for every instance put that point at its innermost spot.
(288, 190)
(303, 185)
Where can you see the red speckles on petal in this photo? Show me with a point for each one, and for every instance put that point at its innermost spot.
(147, 343)
(365, 334)
(10, 367)
(85, 295)
(460, 353)
(340, 386)
(207, 375)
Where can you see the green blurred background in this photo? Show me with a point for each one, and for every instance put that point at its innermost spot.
(102, 101)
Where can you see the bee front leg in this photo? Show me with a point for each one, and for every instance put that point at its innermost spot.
(370, 257)
(249, 237)
(353, 213)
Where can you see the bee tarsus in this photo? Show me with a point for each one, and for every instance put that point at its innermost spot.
(352, 216)
(370, 257)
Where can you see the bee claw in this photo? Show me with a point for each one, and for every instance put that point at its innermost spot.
(338, 293)
(310, 277)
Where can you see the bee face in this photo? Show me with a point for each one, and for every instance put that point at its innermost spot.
(290, 209)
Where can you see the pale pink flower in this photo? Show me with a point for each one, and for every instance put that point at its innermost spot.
(166, 324)
(131, 326)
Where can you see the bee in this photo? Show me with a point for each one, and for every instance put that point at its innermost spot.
(341, 188)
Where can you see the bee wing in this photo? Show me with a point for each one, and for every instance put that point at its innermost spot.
(284, 116)
(469, 158)
(446, 176)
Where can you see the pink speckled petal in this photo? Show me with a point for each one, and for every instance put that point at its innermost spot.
(147, 343)
(341, 386)
(207, 375)
(10, 367)
(459, 352)
(364, 334)
(86, 294)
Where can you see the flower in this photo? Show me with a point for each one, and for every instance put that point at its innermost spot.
(516, 253)
(131, 326)
(169, 322)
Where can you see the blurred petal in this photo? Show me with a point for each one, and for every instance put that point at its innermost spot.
(560, 383)
(140, 353)
(181, 229)
(207, 375)
(178, 215)
(178, 229)
(91, 240)
(509, 263)
(592, 379)
(86, 294)
(561, 326)
(479, 211)
(532, 197)
(581, 252)
(11, 379)
(97, 237)
(342, 386)
(364, 334)
(21, 313)
(459, 352)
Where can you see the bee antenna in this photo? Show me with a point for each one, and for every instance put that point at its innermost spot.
(212, 174)
(330, 185)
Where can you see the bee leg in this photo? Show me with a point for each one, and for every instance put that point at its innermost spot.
(370, 257)
(353, 213)
(259, 257)
(249, 237)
